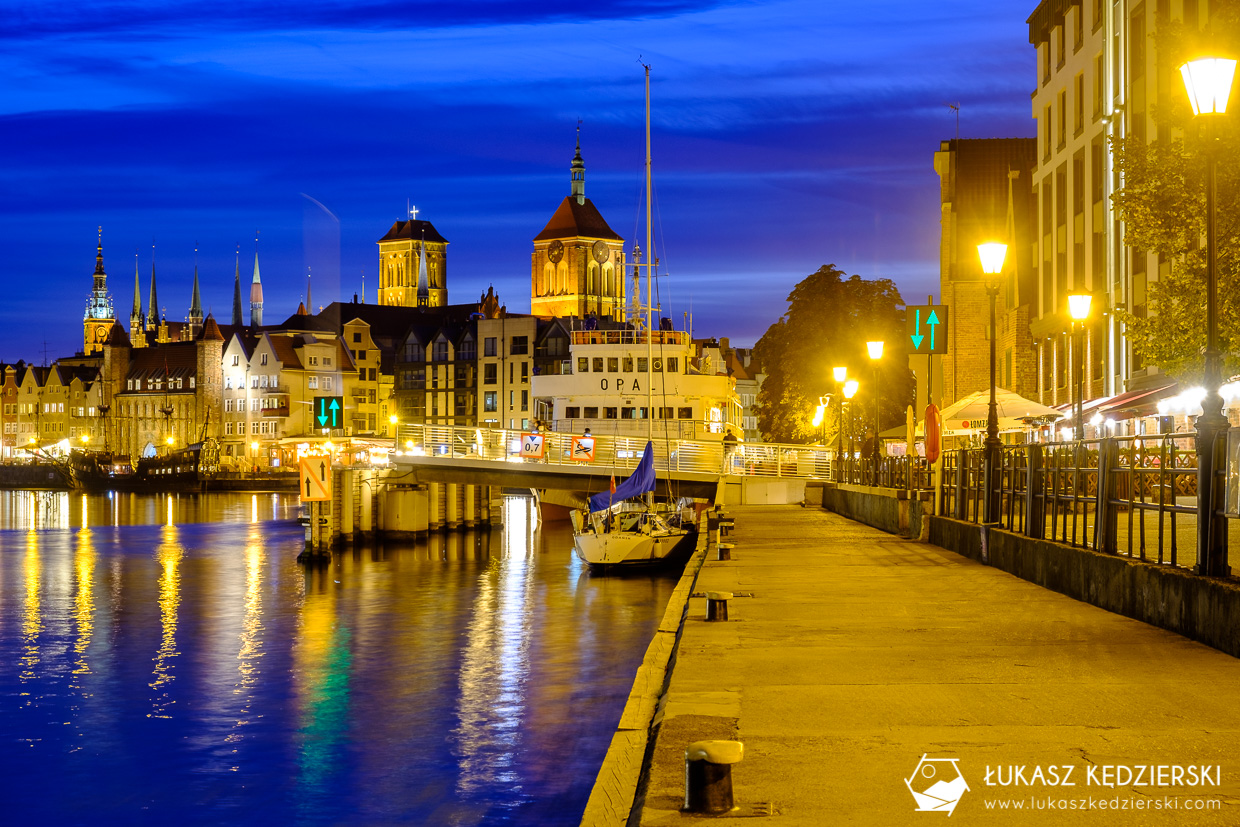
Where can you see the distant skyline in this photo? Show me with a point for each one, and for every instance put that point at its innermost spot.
(786, 135)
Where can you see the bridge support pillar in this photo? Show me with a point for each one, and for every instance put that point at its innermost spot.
(471, 506)
(434, 493)
(348, 493)
(452, 514)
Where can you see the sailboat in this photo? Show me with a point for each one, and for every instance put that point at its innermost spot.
(611, 533)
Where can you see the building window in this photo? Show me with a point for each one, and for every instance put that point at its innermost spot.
(489, 374)
(440, 351)
(236, 360)
(414, 352)
(228, 428)
(488, 346)
(468, 351)
(1062, 115)
(357, 337)
(262, 359)
(520, 345)
(525, 372)
(490, 401)
(312, 382)
(525, 400)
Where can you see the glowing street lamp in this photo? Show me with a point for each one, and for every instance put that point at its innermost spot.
(850, 390)
(992, 254)
(1078, 309)
(876, 352)
(394, 421)
(1208, 83)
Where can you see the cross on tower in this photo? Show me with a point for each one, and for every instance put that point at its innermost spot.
(413, 213)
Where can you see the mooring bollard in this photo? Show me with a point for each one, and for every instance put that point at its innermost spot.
(717, 605)
(726, 525)
(708, 776)
(724, 551)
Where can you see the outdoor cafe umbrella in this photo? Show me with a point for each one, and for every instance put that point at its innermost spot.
(968, 415)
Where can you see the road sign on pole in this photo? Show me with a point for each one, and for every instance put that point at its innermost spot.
(926, 325)
(316, 479)
(329, 412)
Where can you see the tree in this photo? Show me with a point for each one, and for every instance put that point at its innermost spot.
(829, 319)
(1163, 206)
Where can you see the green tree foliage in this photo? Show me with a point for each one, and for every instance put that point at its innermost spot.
(1163, 206)
(829, 319)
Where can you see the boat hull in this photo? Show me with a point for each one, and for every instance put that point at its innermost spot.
(630, 548)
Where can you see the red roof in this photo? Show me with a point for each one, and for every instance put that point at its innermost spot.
(577, 220)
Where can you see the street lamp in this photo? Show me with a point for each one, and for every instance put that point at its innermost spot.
(1078, 309)
(992, 254)
(1208, 83)
(850, 390)
(840, 375)
(876, 353)
(395, 433)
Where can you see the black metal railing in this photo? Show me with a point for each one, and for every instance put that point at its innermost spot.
(1132, 495)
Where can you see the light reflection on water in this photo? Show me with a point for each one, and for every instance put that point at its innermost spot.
(165, 659)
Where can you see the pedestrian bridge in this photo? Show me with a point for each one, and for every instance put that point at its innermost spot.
(691, 468)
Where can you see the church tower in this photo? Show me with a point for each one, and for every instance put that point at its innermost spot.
(100, 316)
(256, 293)
(137, 319)
(413, 251)
(577, 267)
(195, 306)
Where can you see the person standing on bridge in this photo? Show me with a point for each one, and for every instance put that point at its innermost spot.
(729, 447)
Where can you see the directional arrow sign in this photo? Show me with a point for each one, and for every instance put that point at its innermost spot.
(316, 480)
(926, 326)
(327, 410)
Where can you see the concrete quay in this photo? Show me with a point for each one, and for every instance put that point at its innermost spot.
(851, 653)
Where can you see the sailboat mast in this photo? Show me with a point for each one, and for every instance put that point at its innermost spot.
(649, 264)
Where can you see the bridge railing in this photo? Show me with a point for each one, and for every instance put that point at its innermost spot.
(622, 453)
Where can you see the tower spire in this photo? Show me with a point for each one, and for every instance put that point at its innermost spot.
(152, 310)
(195, 306)
(579, 171)
(309, 304)
(237, 320)
(136, 320)
(424, 287)
(99, 313)
(256, 291)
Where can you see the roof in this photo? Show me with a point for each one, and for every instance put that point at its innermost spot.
(577, 220)
(415, 230)
(173, 359)
(285, 350)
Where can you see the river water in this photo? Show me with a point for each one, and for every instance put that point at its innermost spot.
(165, 660)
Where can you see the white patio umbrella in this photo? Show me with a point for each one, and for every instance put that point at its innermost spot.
(1016, 413)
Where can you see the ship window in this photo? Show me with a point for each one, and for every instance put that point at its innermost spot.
(666, 413)
(628, 413)
(613, 365)
(684, 413)
(609, 413)
(641, 364)
(658, 366)
(628, 364)
(673, 364)
(572, 413)
(598, 364)
(591, 413)
(583, 364)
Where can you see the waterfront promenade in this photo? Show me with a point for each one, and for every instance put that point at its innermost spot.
(850, 653)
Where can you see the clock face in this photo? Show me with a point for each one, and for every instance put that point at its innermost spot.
(601, 253)
(101, 334)
(555, 252)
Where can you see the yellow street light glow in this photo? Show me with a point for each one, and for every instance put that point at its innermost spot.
(328, 445)
(992, 254)
(85, 438)
(1208, 83)
(1078, 305)
(818, 416)
(875, 349)
(850, 388)
(392, 419)
(171, 440)
(253, 446)
(840, 374)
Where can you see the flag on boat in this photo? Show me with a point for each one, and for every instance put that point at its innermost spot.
(639, 482)
(612, 485)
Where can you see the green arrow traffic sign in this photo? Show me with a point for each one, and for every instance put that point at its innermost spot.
(327, 410)
(926, 326)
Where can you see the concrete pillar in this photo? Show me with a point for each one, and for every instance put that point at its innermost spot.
(453, 502)
(348, 485)
(435, 490)
(366, 492)
(471, 506)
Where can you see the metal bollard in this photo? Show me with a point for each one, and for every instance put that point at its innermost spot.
(708, 776)
(717, 605)
(726, 525)
(724, 551)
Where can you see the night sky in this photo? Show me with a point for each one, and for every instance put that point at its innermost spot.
(786, 135)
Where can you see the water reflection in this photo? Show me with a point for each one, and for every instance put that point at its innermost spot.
(189, 670)
(78, 509)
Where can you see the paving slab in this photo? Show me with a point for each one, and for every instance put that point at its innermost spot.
(851, 654)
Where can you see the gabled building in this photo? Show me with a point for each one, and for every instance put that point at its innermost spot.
(413, 265)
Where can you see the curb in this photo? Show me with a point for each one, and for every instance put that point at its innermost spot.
(615, 787)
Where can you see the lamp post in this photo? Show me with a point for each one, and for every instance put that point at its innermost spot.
(395, 433)
(1208, 83)
(1078, 309)
(876, 353)
(840, 375)
(850, 390)
(992, 254)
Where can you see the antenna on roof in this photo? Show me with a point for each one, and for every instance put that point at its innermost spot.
(955, 107)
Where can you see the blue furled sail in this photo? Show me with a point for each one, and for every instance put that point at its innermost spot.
(639, 482)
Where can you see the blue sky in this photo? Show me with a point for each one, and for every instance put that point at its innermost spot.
(786, 135)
